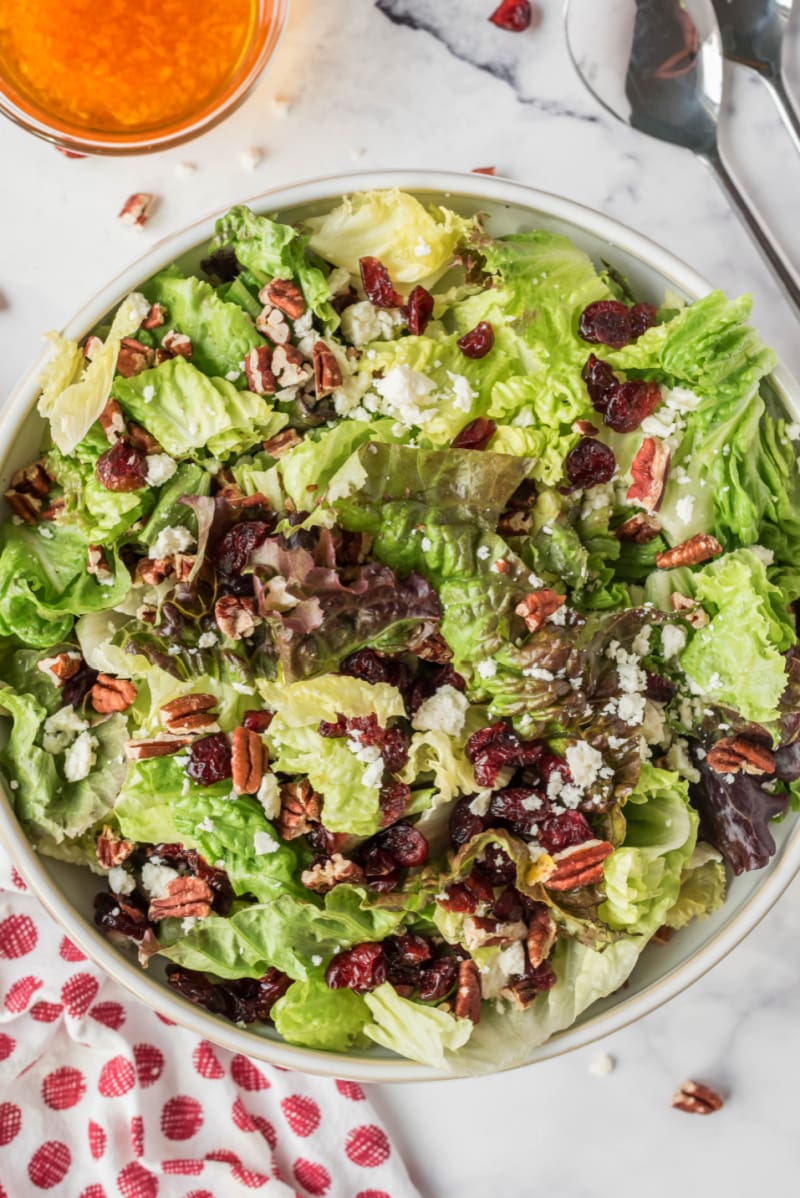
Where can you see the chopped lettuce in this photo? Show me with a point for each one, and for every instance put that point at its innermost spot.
(311, 1014)
(221, 333)
(702, 891)
(413, 1030)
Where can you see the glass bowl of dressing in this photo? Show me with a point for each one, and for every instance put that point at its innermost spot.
(108, 77)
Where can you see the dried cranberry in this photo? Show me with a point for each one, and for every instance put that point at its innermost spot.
(123, 916)
(258, 721)
(238, 543)
(630, 403)
(393, 743)
(513, 15)
(589, 463)
(209, 760)
(497, 866)
(661, 690)
(218, 881)
(600, 382)
(419, 310)
(380, 868)
(378, 286)
(464, 823)
(491, 748)
(475, 435)
(374, 667)
(561, 831)
(478, 341)
(360, 968)
(480, 885)
(459, 898)
(542, 975)
(607, 322)
(404, 956)
(508, 906)
(323, 842)
(333, 730)
(122, 467)
(242, 1000)
(393, 800)
(78, 686)
(405, 844)
(437, 979)
(395, 749)
(509, 805)
(429, 680)
(643, 317)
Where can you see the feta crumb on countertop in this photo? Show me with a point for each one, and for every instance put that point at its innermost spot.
(263, 843)
(160, 467)
(251, 157)
(156, 879)
(171, 540)
(444, 711)
(120, 881)
(602, 1065)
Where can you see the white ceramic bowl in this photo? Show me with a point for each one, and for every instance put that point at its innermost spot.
(68, 891)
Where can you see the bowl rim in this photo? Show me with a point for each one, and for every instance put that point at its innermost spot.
(20, 407)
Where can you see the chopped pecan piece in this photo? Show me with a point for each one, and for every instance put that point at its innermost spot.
(541, 935)
(111, 850)
(177, 345)
(97, 563)
(696, 1099)
(537, 607)
(579, 865)
(327, 373)
(301, 807)
(468, 995)
(699, 548)
(60, 668)
(153, 570)
(133, 357)
(258, 369)
(248, 761)
(236, 616)
(155, 317)
(691, 611)
(285, 295)
(434, 648)
(26, 507)
(740, 754)
(324, 875)
(112, 694)
(32, 480)
(54, 510)
(143, 750)
(112, 421)
(521, 992)
(480, 931)
(137, 209)
(289, 366)
(272, 323)
(142, 440)
(640, 529)
(281, 443)
(649, 470)
(186, 896)
(585, 428)
(190, 713)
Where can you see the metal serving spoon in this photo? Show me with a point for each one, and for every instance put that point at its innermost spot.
(658, 65)
(753, 34)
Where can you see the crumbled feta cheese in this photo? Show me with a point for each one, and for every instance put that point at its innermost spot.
(532, 803)
(406, 395)
(188, 922)
(630, 708)
(480, 804)
(422, 249)
(714, 682)
(684, 508)
(678, 760)
(233, 375)
(61, 728)
(80, 757)
(602, 1065)
(426, 544)
(171, 540)
(14, 784)
(539, 673)
(156, 878)
(654, 728)
(206, 640)
(373, 774)
(242, 688)
(584, 762)
(487, 668)
(765, 555)
(45, 532)
(641, 643)
(463, 393)
(269, 796)
(535, 851)
(512, 959)
(251, 158)
(444, 711)
(206, 824)
(482, 552)
(535, 581)
(263, 844)
(160, 467)
(280, 106)
(148, 393)
(316, 959)
(120, 881)
(559, 616)
(673, 640)
(184, 169)
(363, 322)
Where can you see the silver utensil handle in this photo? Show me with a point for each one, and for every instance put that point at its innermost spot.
(786, 108)
(752, 222)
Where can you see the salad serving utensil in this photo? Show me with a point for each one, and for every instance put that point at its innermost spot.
(658, 66)
(753, 34)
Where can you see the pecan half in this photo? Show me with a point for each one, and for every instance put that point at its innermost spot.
(112, 421)
(186, 896)
(26, 491)
(190, 713)
(111, 850)
(137, 209)
(155, 317)
(153, 570)
(541, 935)
(143, 750)
(289, 366)
(112, 694)
(258, 369)
(324, 875)
(97, 563)
(285, 295)
(133, 357)
(281, 443)
(649, 470)
(327, 374)
(537, 607)
(579, 865)
(61, 667)
(300, 807)
(272, 323)
(740, 754)
(248, 761)
(26, 507)
(236, 616)
(468, 995)
(699, 548)
(690, 610)
(640, 529)
(696, 1099)
(480, 931)
(143, 441)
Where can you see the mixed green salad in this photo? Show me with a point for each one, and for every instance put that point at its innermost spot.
(399, 621)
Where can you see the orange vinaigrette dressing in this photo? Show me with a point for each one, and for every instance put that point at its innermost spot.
(117, 67)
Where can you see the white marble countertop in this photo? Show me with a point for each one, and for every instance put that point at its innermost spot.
(429, 83)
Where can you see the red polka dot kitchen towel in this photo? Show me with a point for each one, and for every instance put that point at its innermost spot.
(102, 1098)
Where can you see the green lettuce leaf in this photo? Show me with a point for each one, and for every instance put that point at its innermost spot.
(99, 515)
(411, 1029)
(222, 334)
(703, 885)
(311, 1014)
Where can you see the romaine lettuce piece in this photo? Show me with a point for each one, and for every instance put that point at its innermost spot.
(703, 885)
(414, 1030)
(312, 1014)
(222, 334)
